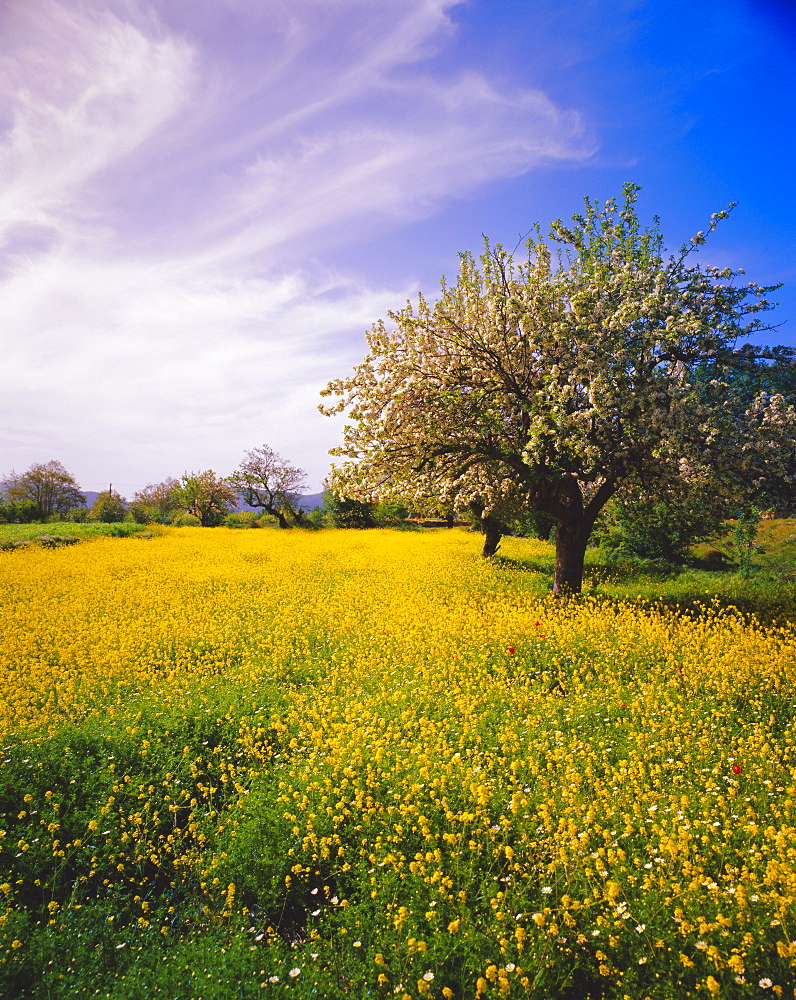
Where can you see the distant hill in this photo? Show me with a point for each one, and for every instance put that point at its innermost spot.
(308, 502)
(311, 500)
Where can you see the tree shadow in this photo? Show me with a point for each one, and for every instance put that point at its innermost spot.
(765, 599)
(541, 567)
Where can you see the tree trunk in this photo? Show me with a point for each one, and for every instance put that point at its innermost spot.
(571, 539)
(277, 513)
(492, 533)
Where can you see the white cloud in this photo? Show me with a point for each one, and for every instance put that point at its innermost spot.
(84, 89)
(169, 180)
(176, 367)
(433, 140)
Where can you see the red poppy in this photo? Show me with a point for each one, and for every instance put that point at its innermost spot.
(736, 768)
(511, 651)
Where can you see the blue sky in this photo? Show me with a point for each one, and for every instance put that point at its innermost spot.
(205, 203)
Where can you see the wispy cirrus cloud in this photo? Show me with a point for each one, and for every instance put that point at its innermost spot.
(81, 89)
(173, 182)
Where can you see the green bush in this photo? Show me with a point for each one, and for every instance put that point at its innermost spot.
(659, 528)
(77, 515)
(109, 508)
(389, 513)
(18, 512)
(185, 520)
(342, 512)
(242, 519)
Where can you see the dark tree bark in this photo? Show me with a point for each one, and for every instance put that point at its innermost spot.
(574, 523)
(492, 535)
(571, 540)
(277, 513)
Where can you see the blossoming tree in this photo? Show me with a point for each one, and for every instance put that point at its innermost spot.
(264, 479)
(552, 382)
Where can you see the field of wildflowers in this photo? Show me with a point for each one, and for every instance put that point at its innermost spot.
(341, 764)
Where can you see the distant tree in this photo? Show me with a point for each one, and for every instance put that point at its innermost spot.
(18, 512)
(205, 496)
(345, 512)
(155, 502)
(108, 508)
(49, 486)
(264, 479)
(158, 495)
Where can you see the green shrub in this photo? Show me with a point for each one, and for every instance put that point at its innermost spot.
(18, 512)
(242, 519)
(55, 541)
(662, 527)
(77, 515)
(389, 513)
(186, 520)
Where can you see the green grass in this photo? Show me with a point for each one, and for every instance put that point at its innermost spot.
(768, 594)
(67, 529)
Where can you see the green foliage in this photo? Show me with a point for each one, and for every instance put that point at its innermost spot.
(155, 503)
(317, 518)
(77, 515)
(661, 527)
(532, 524)
(18, 512)
(745, 538)
(389, 513)
(109, 507)
(242, 519)
(185, 520)
(142, 514)
(345, 512)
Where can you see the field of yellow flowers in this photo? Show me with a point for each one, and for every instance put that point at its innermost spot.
(371, 764)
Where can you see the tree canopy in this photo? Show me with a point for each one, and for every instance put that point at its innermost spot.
(156, 499)
(47, 485)
(553, 380)
(108, 508)
(264, 479)
(206, 496)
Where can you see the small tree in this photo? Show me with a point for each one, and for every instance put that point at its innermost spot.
(108, 508)
(346, 512)
(266, 480)
(155, 502)
(531, 384)
(205, 496)
(49, 486)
